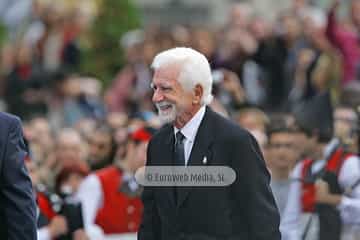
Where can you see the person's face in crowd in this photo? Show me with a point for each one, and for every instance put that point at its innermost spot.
(24, 54)
(121, 135)
(136, 154)
(86, 127)
(298, 4)
(310, 27)
(301, 142)
(248, 43)
(181, 35)
(136, 123)
(355, 13)
(165, 42)
(99, 147)
(70, 149)
(315, 33)
(232, 43)
(291, 27)
(345, 121)
(7, 58)
(239, 15)
(53, 17)
(174, 103)
(251, 121)
(203, 41)
(281, 149)
(149, 51)
(116, 119)
(140, 154)
(315, 149)
(71, 184)
(90, 87)
(40, 131)
(33, 173)
(36, 8)
(71, 87)
(133, 54)
(260, 29)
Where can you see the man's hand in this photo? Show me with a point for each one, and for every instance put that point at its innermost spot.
(323, 195)
(58, 226)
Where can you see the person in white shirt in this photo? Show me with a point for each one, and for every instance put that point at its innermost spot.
(332, 157)
(110, 197)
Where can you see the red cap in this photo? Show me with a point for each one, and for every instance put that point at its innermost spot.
(142, 134)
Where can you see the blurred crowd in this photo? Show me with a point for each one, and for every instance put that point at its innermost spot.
(293, 82)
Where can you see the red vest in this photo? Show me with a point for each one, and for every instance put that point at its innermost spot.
(334, 165)
(119, 213)
(45, 206)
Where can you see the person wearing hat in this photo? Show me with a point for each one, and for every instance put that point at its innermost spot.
(194, 135)
(323, 195)
(110, 197)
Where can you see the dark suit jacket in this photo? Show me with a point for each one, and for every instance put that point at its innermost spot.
(17, 203)
(244, 210)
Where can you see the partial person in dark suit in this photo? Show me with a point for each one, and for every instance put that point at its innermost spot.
(17, 203)
(197, 136)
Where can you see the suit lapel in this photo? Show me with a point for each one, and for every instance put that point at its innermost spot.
(166, 149)
(200, 148)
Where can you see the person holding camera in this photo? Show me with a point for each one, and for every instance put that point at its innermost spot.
(53, 222)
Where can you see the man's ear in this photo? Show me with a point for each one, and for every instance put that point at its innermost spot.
(198, 94)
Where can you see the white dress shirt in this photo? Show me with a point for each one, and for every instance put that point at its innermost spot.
(90, 195)
(349, 206)
(90, 192)
(189, 131)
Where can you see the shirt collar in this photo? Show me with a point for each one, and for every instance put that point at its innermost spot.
(191, 127)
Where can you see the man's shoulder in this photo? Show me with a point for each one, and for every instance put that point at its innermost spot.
(161, 133)
(7, 119)
(226, 128)
(218, 125)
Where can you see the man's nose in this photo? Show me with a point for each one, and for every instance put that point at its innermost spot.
(157, 96)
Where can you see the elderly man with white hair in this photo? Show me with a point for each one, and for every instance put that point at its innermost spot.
(196, 136)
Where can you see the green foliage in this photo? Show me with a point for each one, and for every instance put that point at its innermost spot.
(102, 55)
(2, 34)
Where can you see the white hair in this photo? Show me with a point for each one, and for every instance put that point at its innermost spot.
(194, 69)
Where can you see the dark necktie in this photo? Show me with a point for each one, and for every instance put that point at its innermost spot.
(179, 156)
(179, 153)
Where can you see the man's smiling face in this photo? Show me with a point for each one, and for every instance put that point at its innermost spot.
(170, 98)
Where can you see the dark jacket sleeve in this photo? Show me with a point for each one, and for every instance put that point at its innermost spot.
(252, 189)
(18, 196)
(150, 225)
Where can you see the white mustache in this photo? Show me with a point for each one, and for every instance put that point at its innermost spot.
(162, 104)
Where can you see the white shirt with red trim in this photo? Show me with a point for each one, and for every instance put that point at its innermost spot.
(349, 206)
